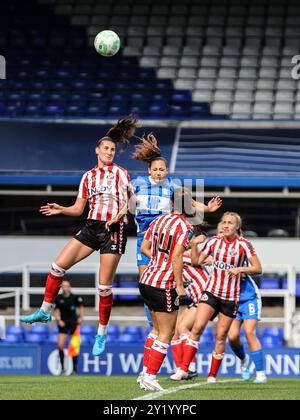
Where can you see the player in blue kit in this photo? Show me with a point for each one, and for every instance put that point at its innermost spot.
(249, 313)
(153, 194)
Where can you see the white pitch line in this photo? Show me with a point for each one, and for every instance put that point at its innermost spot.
(173, 390)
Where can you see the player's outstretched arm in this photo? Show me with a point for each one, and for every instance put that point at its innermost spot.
(54, 209)
(213, 205)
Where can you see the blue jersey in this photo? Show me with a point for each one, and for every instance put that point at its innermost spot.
(153, 199)
(249, 289)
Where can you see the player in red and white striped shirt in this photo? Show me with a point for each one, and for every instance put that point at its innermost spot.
(161, 284)
(195, 279)
(221, 296)
(105, 187)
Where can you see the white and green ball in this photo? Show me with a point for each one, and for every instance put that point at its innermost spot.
(107, 43)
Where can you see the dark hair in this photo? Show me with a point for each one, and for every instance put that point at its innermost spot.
(119, 132)
(183, 202)
(148, 150)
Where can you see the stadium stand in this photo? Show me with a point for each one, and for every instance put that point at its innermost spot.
(179, 61)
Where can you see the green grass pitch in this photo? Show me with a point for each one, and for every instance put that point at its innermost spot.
(126, 388)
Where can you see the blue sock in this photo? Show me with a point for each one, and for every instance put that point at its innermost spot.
(150, 323)
(258, 359)
(239, 352)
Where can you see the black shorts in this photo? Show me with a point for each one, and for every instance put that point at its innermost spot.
(95, 236)
(70, 327)
(159, 300)
(226, 307)
(193, 305)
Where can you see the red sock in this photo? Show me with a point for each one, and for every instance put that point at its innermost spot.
(157, 355)
(189, 352)
(176, 346)
(194, 359)
(215, 363)
(53, 284)
(105, 304)
(147, 348)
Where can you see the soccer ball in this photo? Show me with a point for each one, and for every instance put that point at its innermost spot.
(107, 43)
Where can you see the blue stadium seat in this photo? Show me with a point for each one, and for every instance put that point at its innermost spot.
(86, 339)
(16, 330)
(117, 110)
(179, 111)
(88, 329)
(52, 339)
(181, 97)
(112, 339)
(126, 285)
(269, 341)
(270, 283)
(206, 341)
(36, 338)
(273, 331)
(140, 110)
(42, 329)
(129, 339)
(12, 339)
(200, 110)
(209, 332)
(134, 330)
(114, 330)
(158, 109)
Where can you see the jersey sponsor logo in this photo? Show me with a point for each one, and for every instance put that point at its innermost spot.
(101, 190)
(222, 266)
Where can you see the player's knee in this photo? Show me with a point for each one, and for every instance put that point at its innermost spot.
(250, 335)
(198, 329)
(233, 338)
(221, 337)
(57, 271)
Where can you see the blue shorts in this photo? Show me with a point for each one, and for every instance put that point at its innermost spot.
(141, 258)
(250, 309)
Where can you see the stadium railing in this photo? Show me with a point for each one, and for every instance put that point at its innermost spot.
(288, 295)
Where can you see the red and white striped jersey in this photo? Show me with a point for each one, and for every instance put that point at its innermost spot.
(165, 233)
(106, 190)
(196, 278)
(227, 255)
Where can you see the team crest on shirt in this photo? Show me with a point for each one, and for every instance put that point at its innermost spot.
(168, 228)
(110, 176)
(233, 253)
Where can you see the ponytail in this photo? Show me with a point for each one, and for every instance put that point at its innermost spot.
(119, 133)
(148, 150)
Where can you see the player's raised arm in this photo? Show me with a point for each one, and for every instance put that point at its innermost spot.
(213, 205)
(54, 209)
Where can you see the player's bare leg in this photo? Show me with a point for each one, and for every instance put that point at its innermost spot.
(234, 337)
(72, 253)
(152, 336)
(108, 267)
(184, 325)
(203, 316)
(256, 352)
(222, 329)
(166, 328)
